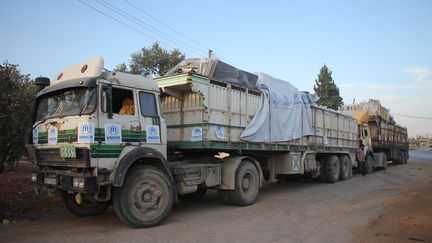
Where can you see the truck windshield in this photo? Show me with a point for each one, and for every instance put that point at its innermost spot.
(66, 103)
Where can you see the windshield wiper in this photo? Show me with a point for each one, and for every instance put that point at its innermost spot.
(86, 103)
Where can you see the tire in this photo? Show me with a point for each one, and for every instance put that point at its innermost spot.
(86, 208)
(345, 168)
(246, 185)
(332, 169)
(322, 175)
(145, 198)
(369, 164)
(198, 195)
(385, 163)
(404, 157)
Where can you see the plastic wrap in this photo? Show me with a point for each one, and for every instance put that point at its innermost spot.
(216, 70)
(283, 115)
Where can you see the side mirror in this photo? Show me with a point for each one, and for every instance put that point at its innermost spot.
(108, 92)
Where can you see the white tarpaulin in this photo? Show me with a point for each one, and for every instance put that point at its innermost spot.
(284, 113)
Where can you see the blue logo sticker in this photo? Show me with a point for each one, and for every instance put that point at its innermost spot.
(35, 135)
(52, 135)
(86, 132)
(113, 133)
(196, 134)
(152, 134)
(85, 128)
(219, 132)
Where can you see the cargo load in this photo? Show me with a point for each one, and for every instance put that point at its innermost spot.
(385, 139)
(210, 104)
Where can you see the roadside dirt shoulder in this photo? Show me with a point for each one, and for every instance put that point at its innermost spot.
(18, 199)
(405, 218)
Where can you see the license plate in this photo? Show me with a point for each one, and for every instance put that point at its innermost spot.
(50, 181)
(67, 151)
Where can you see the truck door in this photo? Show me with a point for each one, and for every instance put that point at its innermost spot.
(118, 122)
(366, 140)
(150, 119)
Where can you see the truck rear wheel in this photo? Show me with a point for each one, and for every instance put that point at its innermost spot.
(246, 186)
(385, 163)
(369, 164)
(322, 175)
(332, 169)
(145, 198)
(345, 167)
(404, 158)
(82, 206)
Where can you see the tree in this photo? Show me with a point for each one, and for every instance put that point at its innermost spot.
(121, 68)
(327, 90)
(16, 98)
(152, 61)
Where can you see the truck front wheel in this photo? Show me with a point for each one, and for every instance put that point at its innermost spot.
(369, 164)
(145, 198)
(83, 206)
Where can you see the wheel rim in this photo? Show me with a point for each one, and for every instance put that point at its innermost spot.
(247, 185)
(147, 198)
(344, 165)
(335, 170)
(246, 182)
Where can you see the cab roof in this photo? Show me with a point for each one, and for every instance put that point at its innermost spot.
(86, 74)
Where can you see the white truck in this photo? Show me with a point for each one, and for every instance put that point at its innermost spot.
(101, 137)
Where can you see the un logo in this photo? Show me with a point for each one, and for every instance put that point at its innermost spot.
(152, 131)
(219, 130)
(85, 128)
(52, 132)
(113, 130)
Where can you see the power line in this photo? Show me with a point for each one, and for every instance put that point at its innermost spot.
(135, 21)
(414, 117)
(126, 25)
(174, 30)
(167, 26)
(149, 27)
(122, 23)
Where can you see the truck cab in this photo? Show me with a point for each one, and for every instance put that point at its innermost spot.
(89, 127)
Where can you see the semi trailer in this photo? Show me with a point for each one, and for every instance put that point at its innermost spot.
(102, 138)
(382, 138)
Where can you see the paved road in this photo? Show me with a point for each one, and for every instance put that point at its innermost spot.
(300, 211)
(421, 155)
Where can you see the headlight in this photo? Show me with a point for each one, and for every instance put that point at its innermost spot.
(34, 177)
(78, 182)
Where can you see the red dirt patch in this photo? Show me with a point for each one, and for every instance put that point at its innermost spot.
(18, 199)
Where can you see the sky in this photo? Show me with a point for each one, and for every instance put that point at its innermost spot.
(375, 49)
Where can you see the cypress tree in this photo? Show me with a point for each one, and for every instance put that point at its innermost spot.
(326, 89)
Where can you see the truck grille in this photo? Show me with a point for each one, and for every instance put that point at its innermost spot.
(52, 157)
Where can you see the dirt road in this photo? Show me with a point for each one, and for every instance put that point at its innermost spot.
(387, 206)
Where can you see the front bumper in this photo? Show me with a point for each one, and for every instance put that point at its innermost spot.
(51, 181)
